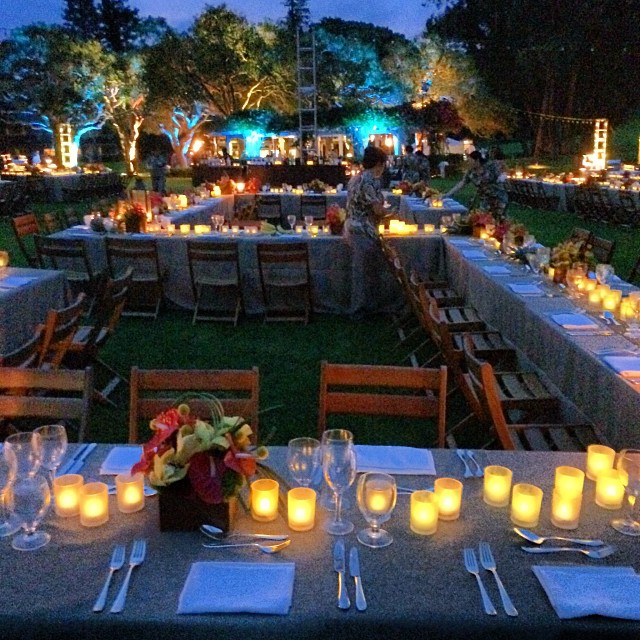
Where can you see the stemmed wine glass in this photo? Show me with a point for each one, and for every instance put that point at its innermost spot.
(26, 446)
(303, 459)
(8, 465)
(308, 221)
(29, 501)
(604, 273)
(629, 470)
(54, 446)
(339, 467)
(376, 500)
(291, 219)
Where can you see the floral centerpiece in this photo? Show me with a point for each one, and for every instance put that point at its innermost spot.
(481, 221)
(335, 218)
(134, 217)
(252, 185)
(317, 186)
(567, 255)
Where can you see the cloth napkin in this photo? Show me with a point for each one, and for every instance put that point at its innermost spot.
(120, 460)
(474, 254)
(495, 270)
(13, 282)
(526, 289)
(395, 460)
(238, 587)
(574, 321)
(626, 366)
(576, 590)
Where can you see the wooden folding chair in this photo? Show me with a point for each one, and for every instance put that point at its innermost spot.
(38, 393)
(270, 209)
(580, 235)
(51, 223)
(59, 329)
(602, 249)
(315, 206)
(25, 228)
(26, 355)
(155, 390)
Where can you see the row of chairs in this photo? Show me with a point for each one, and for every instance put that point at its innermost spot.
(601, 248)
(531, 194)
(13, 199)
(269, 207)
(596, 204)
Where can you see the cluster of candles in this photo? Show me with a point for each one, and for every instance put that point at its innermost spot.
(301, 504)
(90, 501)
(401, 228)
(602, 295)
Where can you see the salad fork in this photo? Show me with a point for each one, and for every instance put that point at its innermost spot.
(488, 562)
(136, 558)
(471, 565)
(117, 562)
(479, 472)
(467, 469)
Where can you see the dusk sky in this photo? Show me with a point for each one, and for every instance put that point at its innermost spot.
(404, 16)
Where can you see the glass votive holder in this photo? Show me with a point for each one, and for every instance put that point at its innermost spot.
(130, 492)
(497, 485)
(612, 300)
(565, 509)
(185, 229)
(526, 501)
(609, 489)
(429, 228)
(569, 480)
(94, 504)
(4, 258)
(599, 458)
(449, 492)
(299, 228)
(171, 229)
(424, 513)
(225, 228)
(66, 493)
(264, 500)
(301, 508)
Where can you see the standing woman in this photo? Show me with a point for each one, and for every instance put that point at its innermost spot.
(365, 209)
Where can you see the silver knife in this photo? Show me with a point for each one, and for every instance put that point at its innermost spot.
(72, 460)
(79, 463)
(339, 566)
(354, 570)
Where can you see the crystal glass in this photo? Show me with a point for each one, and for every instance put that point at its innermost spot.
(291, 219)
(604, 273)
(29, 501)
(629, 468)
(534, 262)
(303, 459)
(8, 464)
(544, 256)
(339, 468)
(376, 500)
(308, 221)
(54, 446)
(27, 449)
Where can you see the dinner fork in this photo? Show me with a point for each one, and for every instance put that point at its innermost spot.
(136, 558)
(117, 561)
(479, 472)
(488, 562)
(467, 469)
(471, 565)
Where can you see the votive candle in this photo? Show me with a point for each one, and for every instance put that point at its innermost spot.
(612, 299)
(264, 500)
(130, 492)
(66, 492)
(627, 310)
(299, 228)
(424, 513)
(314, 229)
(380, 229)
(594, 296)
(429, 228)
(4, 258)
(551, 272)
(301, 503)
(235, 228)
(526, 500)
(449, 492)
(565, 509)
(599, 458)
(94, 504)
(609, 489)
(590, 284)
(185, 229)
(569, 481)
(171, 229)
(497, 485)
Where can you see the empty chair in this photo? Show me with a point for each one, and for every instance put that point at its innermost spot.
(59, 330)
(580, 235)
(27, 354)
(214, 269)
(602, 249)
(156, 390)
(315, 206)
(25, 228)
(47, 394)
(285, 278)
(270, 208)
(373, 390)
(146, 288)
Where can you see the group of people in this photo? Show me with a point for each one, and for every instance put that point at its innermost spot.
(415, 167)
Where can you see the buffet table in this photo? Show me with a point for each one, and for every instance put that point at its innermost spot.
(62, 187)
(417, 587)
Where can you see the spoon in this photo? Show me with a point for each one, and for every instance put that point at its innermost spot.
(600, 552)
(218, 534)
(610, 318)
(265, 548)
(536, 539)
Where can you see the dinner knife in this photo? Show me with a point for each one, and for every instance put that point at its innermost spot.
(72, 460)
(354, 570)
(79, 463)
(339, 564)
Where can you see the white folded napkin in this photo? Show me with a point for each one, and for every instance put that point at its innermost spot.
(120, 460)
(526, 289)
(626, 366)
(395, 460)
(576, 590)
(474, 254)
(13, 282)
(238, 587)
(574, 321)
(496, 269)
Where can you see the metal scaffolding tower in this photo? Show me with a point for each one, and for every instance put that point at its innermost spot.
(307, 94)
(600, 144)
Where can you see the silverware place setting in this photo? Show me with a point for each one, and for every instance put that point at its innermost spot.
(534, 538)
(265, 548)
(592, 552)
(471, 565)
(472, 468)
(215, 533)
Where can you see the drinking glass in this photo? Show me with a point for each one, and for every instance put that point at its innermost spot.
(604, 273)
(303, 459)
(376, 500)
(544, 256)
(291, 219)
(629, 468)
(54, 446)
(27, 449)
(8, 464)
(29, 501)
(308, 221)
(339, 467)
(534, 262)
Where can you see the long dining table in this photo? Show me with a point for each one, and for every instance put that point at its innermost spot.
(416, 587)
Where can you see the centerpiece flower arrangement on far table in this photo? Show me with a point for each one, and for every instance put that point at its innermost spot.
(336, 216)
(317, 186)
(569, 255)
(134, 217)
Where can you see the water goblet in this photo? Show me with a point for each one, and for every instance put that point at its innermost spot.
(376, 500)
(291, 219)
(29, 501)
(534, 262)
(26, 446)
(629, 468)
(303, 460)
(8, 464)
(544, 256)
(339, 468)
(54, 446)
(604, 273)
(308, 221)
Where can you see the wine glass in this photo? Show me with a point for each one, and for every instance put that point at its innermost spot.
(29, 501)
(308, 221)
(339, 467)
(534, 262)
(604, 273)
(54, 446)
(376, 500)
(8, 464)
(27, 449)
(629, 470)
(303, 459)
(291, 219)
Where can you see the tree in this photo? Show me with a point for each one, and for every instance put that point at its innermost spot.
(298, 15)
(119, 25)
(82, 19)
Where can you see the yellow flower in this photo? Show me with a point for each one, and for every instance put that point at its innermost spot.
(166, 470)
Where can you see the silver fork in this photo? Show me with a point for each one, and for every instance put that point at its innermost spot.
(488, 562)
(467, 469)
(136, 558)
(471, 565)
(479, 472)
(117, 561)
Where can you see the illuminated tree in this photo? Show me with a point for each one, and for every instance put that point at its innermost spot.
(82, 19)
